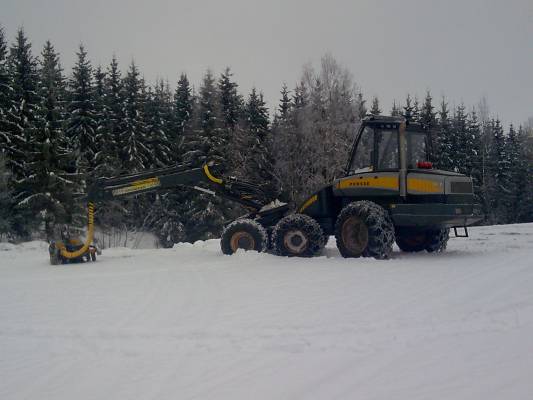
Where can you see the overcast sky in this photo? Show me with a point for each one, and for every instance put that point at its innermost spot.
(464, 49)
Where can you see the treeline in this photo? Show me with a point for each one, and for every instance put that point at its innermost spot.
(59, 133)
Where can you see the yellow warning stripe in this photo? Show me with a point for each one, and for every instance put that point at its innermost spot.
(137, 186)
(392, 182)
(308, 202)
(380, 182)
(424, 185)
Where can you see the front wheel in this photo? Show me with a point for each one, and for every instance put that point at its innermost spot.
(298, 235)
(245, 234)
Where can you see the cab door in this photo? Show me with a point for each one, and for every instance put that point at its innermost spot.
(374, 168)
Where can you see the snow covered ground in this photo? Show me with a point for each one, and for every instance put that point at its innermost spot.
(190, 323)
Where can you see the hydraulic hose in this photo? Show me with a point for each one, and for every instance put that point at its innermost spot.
(90, 232)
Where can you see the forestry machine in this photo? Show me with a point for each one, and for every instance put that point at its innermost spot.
(389, 192)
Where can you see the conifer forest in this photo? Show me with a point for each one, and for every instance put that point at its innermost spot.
(61, 130)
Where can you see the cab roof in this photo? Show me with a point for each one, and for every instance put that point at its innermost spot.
(392, 122)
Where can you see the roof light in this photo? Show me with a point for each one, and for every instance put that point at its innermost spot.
(424, 164)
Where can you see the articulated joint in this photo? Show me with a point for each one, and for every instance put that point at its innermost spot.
(210, 175)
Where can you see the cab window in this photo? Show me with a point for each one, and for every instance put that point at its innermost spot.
(417, 148)
(363, 153)
(387, 149)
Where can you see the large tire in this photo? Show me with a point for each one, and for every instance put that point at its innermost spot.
(245, 234)
(298, 235)
(411, 240)
(364, 228)
(416, 239)
(437, 240)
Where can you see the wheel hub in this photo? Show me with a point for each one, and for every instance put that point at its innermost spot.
(355, 235)
(242, 240)
(295, 241)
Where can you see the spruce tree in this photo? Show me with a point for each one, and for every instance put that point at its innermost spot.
(284, 104)
(428, 118)
(523, 171)
(5, 92)
(462, 145)
(135, 155)
(375, 110)
(81, 114)
(183, 105)
(396, 109)
(170, 211)
(105, 158)
(6, 201)
(416, 111)
(196, 146)
(427, 113)
(109, 116)
(25, 115)
(230, 104)
(498, 163)
(11, 136)
(260, 161)
(444, 156)
(205, 214)
(208, 111)
(25, 103)
(476, 162)
(230, 100)
(158, 125)
(408, 109)
(516, 173)
(4, 74)
(50, 186)
(112, 126)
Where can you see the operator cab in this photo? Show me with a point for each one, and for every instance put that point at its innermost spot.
(377, 146)
(391, 158)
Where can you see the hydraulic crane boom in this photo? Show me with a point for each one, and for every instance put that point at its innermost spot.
(202, 179)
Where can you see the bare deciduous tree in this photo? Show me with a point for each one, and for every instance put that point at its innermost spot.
(311, 144)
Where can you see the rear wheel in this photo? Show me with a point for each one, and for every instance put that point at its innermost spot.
(244, 234)
(411, 240)
(437, 240)
(416, 239)
(363, 228)
(298, 235)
